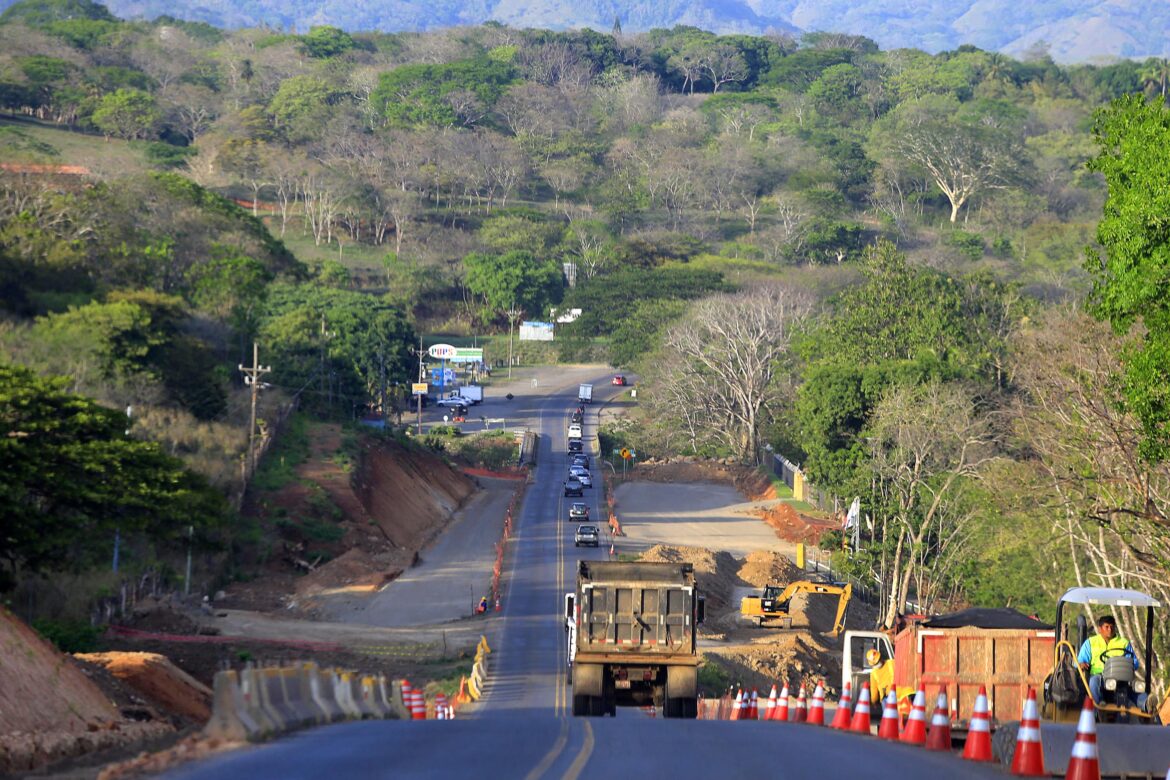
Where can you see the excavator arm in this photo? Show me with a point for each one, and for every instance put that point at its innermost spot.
(773, 604)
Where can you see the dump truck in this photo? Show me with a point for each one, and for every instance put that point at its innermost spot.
(771, 607)
(1000, 648)
(632, 630)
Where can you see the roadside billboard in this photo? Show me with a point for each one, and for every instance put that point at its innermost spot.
(536, 331)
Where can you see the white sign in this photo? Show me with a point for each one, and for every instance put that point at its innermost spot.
(536, 331)
(568, 316)
(442, 351)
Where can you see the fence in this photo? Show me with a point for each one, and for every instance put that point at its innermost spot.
(803, 490)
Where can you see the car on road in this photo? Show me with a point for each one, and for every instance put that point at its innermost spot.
(576, 445)
(582, 476)
(574, 430)
(618, 380)
(579, 459)
(579, 510)
(573, 487)
(577, 418)
(455, 401)
(588, 535)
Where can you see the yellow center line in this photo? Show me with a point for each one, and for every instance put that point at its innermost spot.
(582, 757)
(551, 756)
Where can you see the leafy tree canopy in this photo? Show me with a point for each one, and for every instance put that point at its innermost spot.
(1132, 276)
(605, 300)
(69, 476)
(38, 13)
(516, 278)
(325, 41)
(455, 93)
(352, 337)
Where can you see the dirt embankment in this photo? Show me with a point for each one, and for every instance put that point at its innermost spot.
(52, 707)
(349, 526)
(755, 657)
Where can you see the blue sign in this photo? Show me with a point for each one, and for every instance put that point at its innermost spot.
(443, 376)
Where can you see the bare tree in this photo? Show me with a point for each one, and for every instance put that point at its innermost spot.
(193, 109)
(724, 64)
(731, 354)
(961, 158)
(927, 441)
(1109, 505)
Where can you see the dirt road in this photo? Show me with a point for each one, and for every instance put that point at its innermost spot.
(693, 515)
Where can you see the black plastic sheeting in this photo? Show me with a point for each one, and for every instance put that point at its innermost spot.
(981, 617)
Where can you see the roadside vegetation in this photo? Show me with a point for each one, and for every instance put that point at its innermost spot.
(931, 280)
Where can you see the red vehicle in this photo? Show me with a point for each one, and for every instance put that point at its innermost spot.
(619, 380)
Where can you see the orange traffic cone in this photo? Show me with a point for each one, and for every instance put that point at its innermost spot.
(860, 722)
(781, 711)
(1028, 760)
(770, 708)
(611, 549)
(939, 737)
(418, 705)
(801, 713)
(1082, 764)
(978, 746)
(407, 695)
(816, 710)
(753, 712)
(844, 704)
(888, 728)
(915, 731)
(737, 707)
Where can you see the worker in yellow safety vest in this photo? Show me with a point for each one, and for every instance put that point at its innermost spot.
(1106, 643)
(881, 674)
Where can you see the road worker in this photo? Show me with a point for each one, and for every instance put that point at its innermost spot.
(1106, 643)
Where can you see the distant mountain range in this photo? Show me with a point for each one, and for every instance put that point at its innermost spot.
(1070, 30)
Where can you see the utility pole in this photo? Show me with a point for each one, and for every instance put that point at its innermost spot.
(325, 336)
(421, 378)
(252, 377)
(514, 313)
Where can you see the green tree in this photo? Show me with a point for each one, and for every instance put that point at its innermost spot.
(301, 107)
(127, 113)
(347, 343)
(70, 476)
(1131, 275)
(515, 279)
(324, 42)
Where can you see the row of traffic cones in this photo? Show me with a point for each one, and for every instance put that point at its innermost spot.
(1027, 761)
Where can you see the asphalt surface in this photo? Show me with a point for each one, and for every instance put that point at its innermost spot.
(522, 727)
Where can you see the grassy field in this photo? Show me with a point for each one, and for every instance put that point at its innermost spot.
(26, 141)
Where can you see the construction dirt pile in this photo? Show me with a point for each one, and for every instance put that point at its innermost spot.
(758, 657)
(161, 683)
(750, 482)
(53, 710)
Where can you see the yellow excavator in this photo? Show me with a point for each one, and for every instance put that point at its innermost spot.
(771, 607)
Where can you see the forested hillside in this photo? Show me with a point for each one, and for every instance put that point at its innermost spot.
(886, 265)
(1072, 32)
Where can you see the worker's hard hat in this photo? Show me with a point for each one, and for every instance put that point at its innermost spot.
(872, 656)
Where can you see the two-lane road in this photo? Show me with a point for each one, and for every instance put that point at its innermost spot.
(522, 728)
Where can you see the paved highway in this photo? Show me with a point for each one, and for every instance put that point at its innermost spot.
(522, 728)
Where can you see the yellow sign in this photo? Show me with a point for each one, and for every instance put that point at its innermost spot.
(418, 388)
(625, 453)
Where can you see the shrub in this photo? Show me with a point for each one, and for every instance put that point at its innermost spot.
(69, 636)
(967, 244)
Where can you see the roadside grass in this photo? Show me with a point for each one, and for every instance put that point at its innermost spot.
(713, 678)
(491, 450)
(291, 449)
